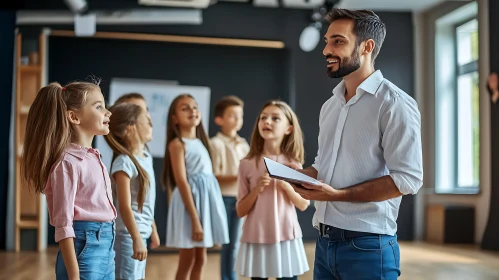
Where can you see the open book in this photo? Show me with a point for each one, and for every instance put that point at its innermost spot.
(282, 172)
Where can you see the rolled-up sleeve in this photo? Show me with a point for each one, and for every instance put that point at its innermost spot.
(401, 128)
(62, 182)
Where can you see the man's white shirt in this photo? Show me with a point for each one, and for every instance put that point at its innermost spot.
(376, 133)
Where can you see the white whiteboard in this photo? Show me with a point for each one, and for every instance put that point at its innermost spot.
(158, 95)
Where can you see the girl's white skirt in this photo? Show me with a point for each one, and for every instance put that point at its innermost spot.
(284, 259)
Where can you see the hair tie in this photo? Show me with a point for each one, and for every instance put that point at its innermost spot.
(63, 88)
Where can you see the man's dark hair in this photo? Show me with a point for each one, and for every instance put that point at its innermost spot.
(226, 102)
(367, 25)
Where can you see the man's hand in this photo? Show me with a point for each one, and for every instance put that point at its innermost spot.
(323, 192)
(379, 189)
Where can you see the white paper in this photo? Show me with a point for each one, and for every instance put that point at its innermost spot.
(280, 171)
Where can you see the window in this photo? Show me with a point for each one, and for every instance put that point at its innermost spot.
(467, 121)
(457, 107)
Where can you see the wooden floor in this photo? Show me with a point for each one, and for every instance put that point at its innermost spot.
(419, 261)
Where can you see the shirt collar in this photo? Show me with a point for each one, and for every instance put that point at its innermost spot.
(369, 85)
(79, 151)
(372, 83)
(237, 139)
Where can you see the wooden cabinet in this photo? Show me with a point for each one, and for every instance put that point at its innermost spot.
(30, 208)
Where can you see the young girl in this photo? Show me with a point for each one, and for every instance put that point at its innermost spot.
(196, 215)
(134, 98)
(134, 186)
(58, 160)
(271, 244)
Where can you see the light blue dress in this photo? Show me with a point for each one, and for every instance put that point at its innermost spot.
(207, 199)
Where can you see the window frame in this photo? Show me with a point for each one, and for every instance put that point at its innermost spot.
(460, 70)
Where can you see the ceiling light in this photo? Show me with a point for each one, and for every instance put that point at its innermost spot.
(77, 6)
(310, 37)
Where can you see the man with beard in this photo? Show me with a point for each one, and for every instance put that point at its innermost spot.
(369, 155)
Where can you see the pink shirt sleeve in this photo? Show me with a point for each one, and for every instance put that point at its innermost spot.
(243, 181)
(64, 186)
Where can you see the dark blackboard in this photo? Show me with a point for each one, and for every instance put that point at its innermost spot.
(254, 74)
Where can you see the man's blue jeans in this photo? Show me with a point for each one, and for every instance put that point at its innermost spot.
(367, 257)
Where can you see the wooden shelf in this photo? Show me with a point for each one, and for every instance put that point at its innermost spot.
(28, 223)
(30, 206)
(31, 68)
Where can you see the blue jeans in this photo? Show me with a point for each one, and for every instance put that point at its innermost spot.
(367, 257)
(126, 267)
(229, 251)
(93, 244)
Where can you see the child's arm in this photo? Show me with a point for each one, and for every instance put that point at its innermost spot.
(125, 206)
(244, 206)
(177, 152)
(295, 198)
(69, 256)
(63, 181)
(154, 237)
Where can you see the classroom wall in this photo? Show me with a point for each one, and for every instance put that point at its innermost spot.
(306, 87)
(259, 76)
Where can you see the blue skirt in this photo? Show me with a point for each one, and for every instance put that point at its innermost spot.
(94, 251)
(211, 211)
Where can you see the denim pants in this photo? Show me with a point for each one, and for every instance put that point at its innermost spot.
(367, 257)
(229, 251)
(126, 267)
(93, 244)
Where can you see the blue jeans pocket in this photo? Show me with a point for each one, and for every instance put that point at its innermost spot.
(80, 243)
(396, 253)
(367, 243)
(93, 243)
(369, 258)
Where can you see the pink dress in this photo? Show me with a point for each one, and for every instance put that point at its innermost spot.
(271, 241)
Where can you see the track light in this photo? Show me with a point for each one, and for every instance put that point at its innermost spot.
(77, 6)
(310, 36)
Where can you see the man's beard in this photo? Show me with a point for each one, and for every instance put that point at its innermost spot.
(345, 66)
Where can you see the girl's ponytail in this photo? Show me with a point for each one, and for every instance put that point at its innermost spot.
(47, 135)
